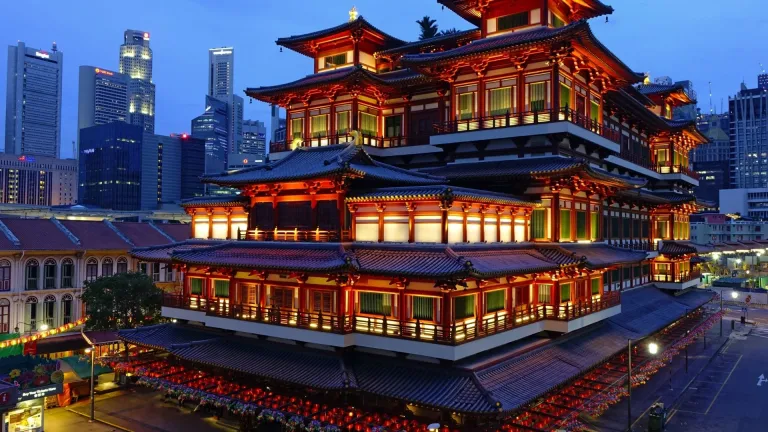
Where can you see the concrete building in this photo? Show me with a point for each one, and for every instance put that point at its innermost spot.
(123, 168)
(235, 112)
(276, 123)
(239, 161)
(719, 228)
(254, 138)
(102, 97)
(136, 62)
(747, 202)
(762, 81)
(44, 264)
(711, 160)
(33, 101)
(748, 114)
(212, 127)
(221, 72)
(37, 180)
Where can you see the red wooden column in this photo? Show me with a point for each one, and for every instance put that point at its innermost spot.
(482, 223)
(406, 121)
(313, 204)
(192, 223)
(441, 106)
(444, 222)
(411, 222)
(229, 223)
(307, 130)
(446, 318)
(556, 217)
(402, 307)
(521, 90)
(352, 223)
(275, 208)
(499, 212)
(380, 209)
(185, 291)
(262, 294)
(480, 95)
(555, 106)
(355, 110)
(589, 221)
(465, 210)
(480, 308)
(210, 224)
(332, 121)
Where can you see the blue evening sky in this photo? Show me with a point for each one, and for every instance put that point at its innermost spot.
(700, 40)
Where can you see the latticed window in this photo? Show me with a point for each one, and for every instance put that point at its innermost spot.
(500, 101)
(49, 274)
(565, 291)
(565, 224)
(30, 314)
(545, 293)
(221, 288)
(581, 225)
(91, 269)
(342, 122)
(494, 301)
(107, 267)
(368, 124)
(66, 309)
(512, 21)
(464, 307)
(537, 96)
(282, 298)
(5, 275)
(322, 301)
(538, 221)
(32, 273)
(422, 308)
(196, 286)
(49, 311)
(318, 125)
(565, 96)
(596, 286)
(67, 273)
(335, 60)
(375, 303)
(466, 106)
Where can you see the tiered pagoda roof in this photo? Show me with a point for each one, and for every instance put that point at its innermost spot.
(339, 160)
(578, 9)
(307, 43)
(676, 91)
(437, 43)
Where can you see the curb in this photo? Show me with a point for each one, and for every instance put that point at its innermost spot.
(112, 425)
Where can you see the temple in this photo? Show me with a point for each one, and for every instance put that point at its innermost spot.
(447, 204)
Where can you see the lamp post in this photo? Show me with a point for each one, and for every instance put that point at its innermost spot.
(92, 351)
(43, 327)
(721, 313)
(653, 348)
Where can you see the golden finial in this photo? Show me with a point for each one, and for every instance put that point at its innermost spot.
(353, 14)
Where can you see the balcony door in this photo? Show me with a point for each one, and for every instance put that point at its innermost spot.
(421, 125)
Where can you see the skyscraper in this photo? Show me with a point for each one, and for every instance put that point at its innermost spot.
(33, 101)
(213, 127)
(254, 138)
(235, 123)
(748, 113)
(102, 97)
(762, 81)
(711, 160)
(136, 62)
(221, 64)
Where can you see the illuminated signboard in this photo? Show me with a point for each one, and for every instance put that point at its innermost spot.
(146, 35)
(222, 52)
(103, 72)
(42, 54)
(89, 151)
(24, 158)
(38, 392)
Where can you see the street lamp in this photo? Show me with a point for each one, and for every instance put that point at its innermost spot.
(43, 327)
(721, 313)
(92, 351)
(734, 295)
(653, 348)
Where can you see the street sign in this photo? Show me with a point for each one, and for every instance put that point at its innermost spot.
(760, 380)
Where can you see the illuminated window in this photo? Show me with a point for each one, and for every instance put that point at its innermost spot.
(368, 124)
(545, 293)
(221, 288)
(466, 106)
(512, 21)
(565, 292)
(565, 224)
(376, 303)
(464, 307)
(565, 96)
(297, 128)
(196, 286)
(318, 126)
(537, 96)
(596, 286)
(494, 301)
(500, 101)
(538, 220)
(342, 122)
(322, 302)
(335, 60)
(422, 308)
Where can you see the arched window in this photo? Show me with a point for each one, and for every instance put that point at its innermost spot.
(66, 309)
(49, 274)
(91, 269)
(122, 265)
(49, 311)
(5, 275)
(5, 316)
(32, 275)
(67, 273)
(30, 315)
(106, 267)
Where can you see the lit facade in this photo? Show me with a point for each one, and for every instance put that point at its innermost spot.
(37, 180)
(749, 138)
(440, 201)
(33, 101)
(254, 138)
(102, 97)
(221, 72)
(136, 62)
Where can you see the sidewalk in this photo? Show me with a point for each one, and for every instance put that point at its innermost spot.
(666, 386)
(61, 420)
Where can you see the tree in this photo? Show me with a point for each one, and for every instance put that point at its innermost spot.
(449, 31)
(125, 300)
(428, 27)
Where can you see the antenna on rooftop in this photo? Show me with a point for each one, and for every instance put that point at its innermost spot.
(710, 97)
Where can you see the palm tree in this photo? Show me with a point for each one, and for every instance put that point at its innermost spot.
(428, 27)
(449, 31)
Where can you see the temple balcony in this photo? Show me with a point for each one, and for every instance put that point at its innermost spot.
(371, 140)
(678, 172)
(678, 281)
(294, 235)
(453, 341)
(563, 120)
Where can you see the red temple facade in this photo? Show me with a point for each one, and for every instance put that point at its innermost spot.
(444, 198)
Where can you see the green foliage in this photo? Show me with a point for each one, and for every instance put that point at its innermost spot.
(125, 300)
(428, 27)
(449, 31)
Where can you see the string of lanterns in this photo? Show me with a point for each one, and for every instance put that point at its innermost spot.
(41, 335)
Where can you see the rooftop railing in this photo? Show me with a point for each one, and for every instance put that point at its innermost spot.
(456, 333)
(677, 169)
(369, 139)
(298, 235)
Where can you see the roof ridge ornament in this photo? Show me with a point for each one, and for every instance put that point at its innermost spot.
(353, 15)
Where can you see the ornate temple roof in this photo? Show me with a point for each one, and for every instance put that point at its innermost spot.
(682, 247)
(580, 8)
(317, 162)
(438, 192)
(577, 31)
(303, 43)
(436, 43)
(678, 89)
(526, 168)
(656, 197)
(162, 253)
(216, 201)
(599, 255)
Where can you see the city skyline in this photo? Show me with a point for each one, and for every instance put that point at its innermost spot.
(181, 75)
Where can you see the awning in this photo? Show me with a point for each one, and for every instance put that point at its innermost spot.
(77, 368)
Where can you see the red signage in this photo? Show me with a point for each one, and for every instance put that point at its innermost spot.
(30, 348)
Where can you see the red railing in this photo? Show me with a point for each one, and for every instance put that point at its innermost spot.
(528, 118)
(637, 158)
(636, 245)
(296, 234)
(372, 140)
(454, 334)
(681, 277)
(677, 169)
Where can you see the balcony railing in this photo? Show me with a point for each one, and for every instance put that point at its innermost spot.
(296, 234)
(528, 118)
(364, 138)
(681, 277)
(641, 245)
(637, 158)
(677, 169)
(453, 334)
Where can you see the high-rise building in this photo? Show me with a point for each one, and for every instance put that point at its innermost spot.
(762, 81)
(213, 127)
(102, 97)
(748, 114)
(221, 70)
(276, 123)
(124, 168)
(711, 159)
(254, 138)
(234, 123)
(136, 62)
(37, 180)
(33, 101)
